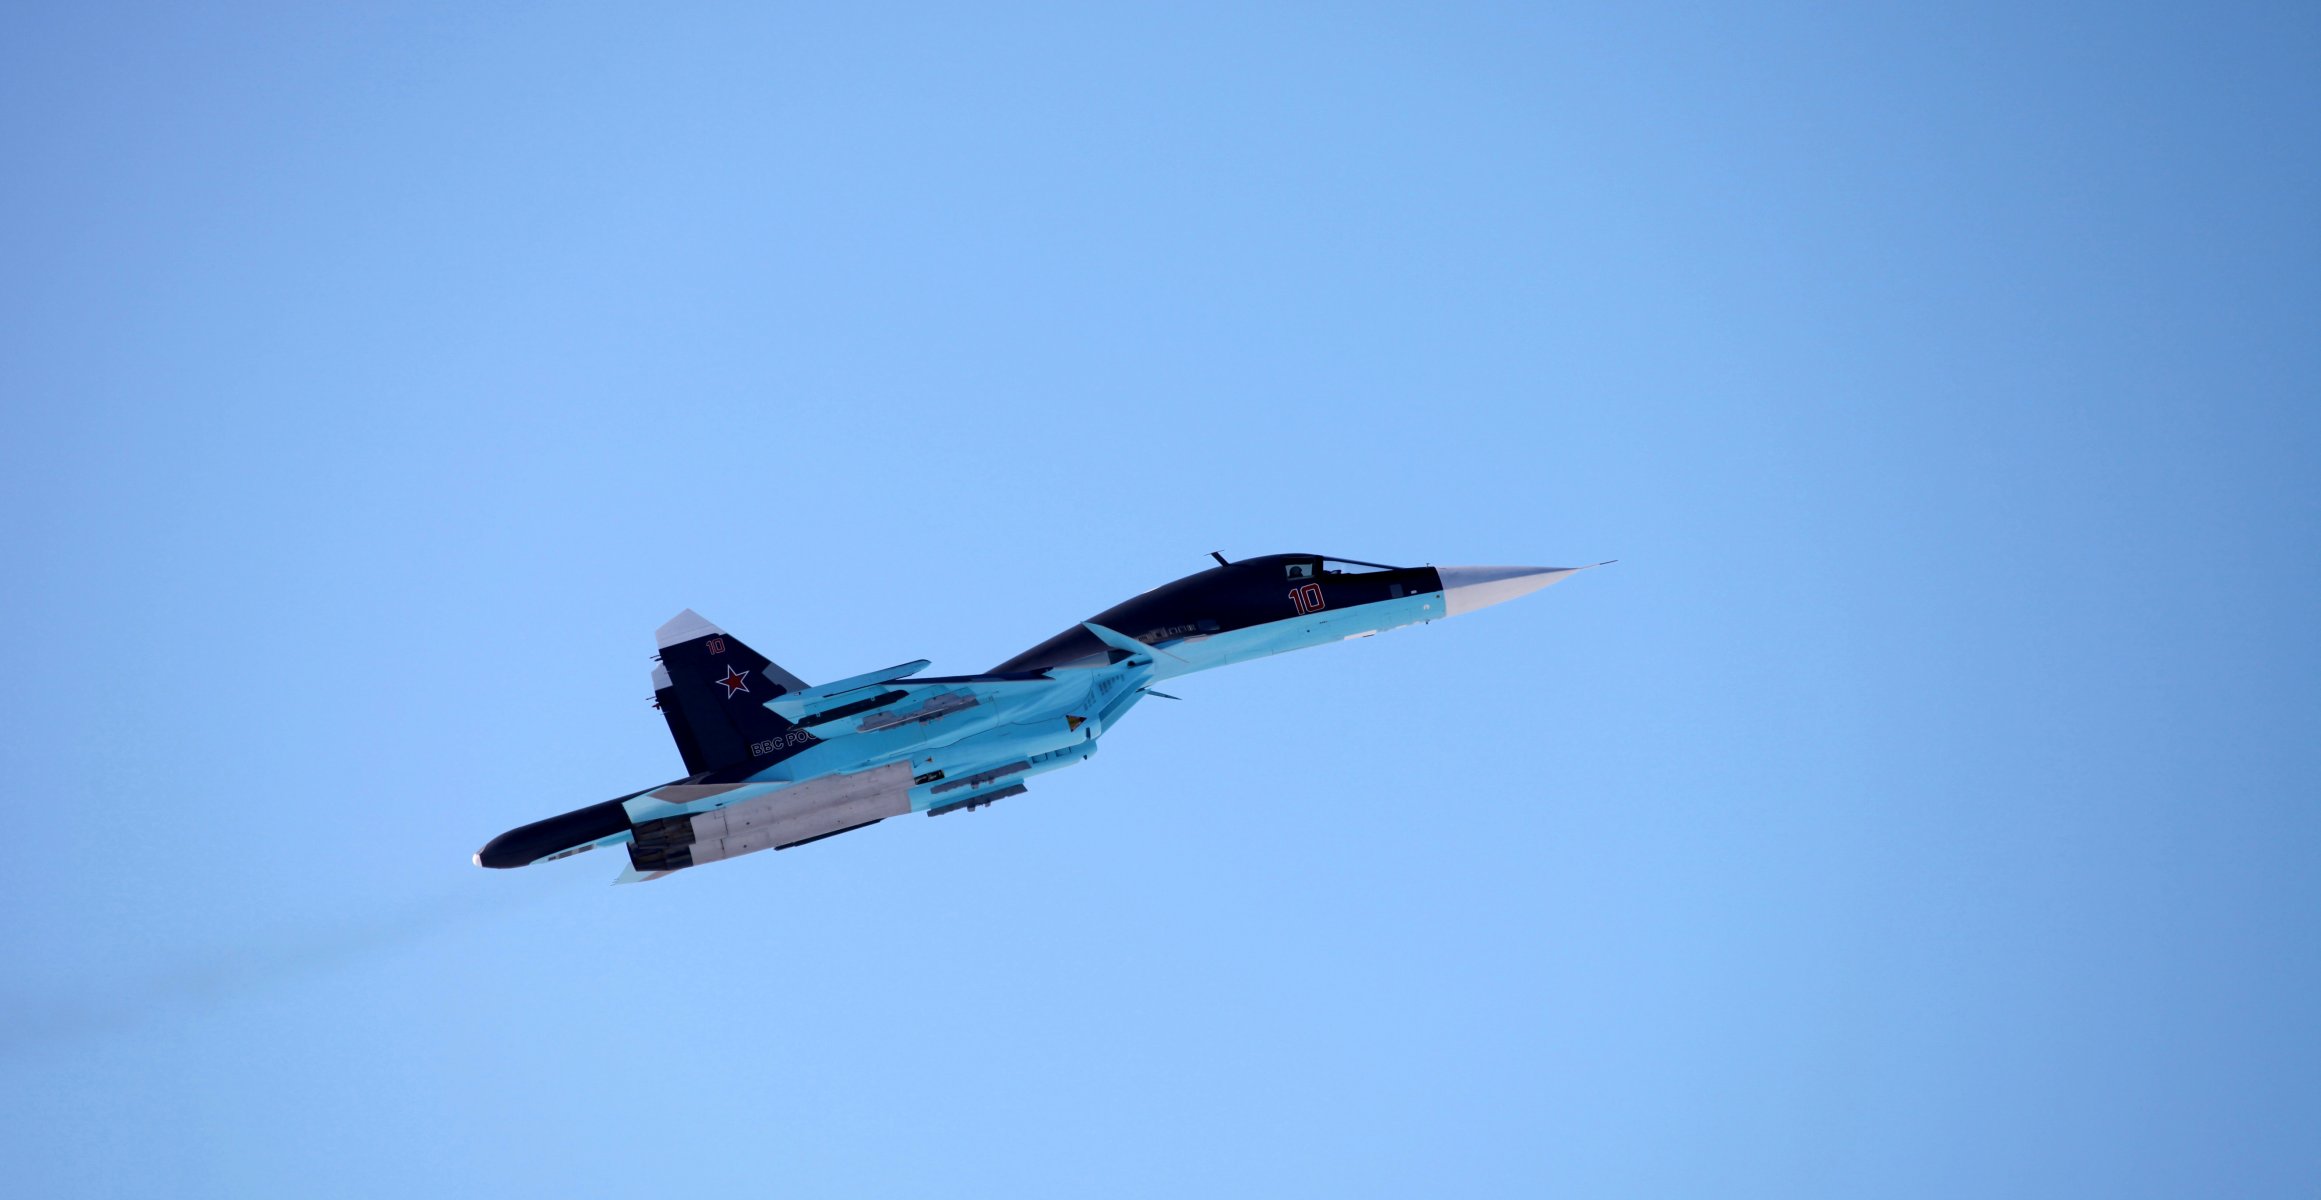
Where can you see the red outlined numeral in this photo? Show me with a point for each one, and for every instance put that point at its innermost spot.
(1307, 597)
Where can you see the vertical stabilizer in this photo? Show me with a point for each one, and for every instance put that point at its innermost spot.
(712, 690)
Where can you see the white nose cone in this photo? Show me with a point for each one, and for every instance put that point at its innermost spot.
(1466, 589)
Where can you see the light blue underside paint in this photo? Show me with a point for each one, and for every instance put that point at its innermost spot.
(1202, 653)
(1032, 721)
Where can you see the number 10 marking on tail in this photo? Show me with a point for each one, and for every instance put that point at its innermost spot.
(1308, 598)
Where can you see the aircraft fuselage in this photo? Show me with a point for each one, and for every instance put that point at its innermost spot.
(779, 764)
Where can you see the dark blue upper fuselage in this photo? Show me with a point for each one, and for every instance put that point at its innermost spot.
(1227, 598)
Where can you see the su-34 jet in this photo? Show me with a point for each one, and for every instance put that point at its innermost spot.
(772, 763)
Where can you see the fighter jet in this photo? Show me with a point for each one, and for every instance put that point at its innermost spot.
(772, 763)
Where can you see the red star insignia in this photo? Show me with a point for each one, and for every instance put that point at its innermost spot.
(734, 681)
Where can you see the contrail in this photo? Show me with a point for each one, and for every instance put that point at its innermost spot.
(228, 971)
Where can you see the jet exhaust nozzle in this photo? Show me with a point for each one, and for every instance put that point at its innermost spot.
(792, 816)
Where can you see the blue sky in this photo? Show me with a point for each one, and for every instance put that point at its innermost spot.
(1924, 805)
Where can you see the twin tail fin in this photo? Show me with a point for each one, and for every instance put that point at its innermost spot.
(712, 690)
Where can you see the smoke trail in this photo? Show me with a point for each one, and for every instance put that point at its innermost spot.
(228, 971)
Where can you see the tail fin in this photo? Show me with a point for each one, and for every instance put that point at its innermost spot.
(712, 690)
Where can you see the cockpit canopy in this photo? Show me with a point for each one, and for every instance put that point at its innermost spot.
(1306, 568)
(1229, 597)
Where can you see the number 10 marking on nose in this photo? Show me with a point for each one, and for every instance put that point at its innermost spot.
(1308, 598)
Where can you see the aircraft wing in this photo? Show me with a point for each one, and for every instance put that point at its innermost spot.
(899, 696)
(893, 701)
